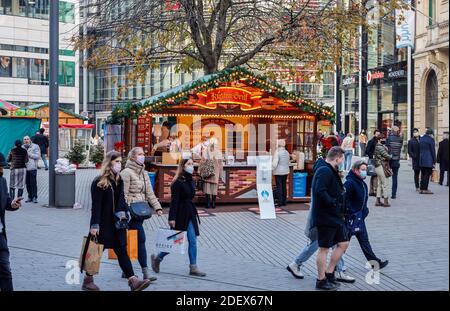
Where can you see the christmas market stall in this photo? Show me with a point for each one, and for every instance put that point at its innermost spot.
(244, 114)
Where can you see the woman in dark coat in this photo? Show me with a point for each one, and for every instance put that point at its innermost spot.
(108, 206)
(356, 196)
(414, 154)
(443, 158)
(183, 214)
(18, 157)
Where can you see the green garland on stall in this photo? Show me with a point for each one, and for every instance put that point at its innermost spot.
(120, 112)
(321, 111)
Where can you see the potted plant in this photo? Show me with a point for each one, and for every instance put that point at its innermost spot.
(77, 154)
(97, 155)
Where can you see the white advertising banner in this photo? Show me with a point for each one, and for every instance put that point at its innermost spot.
(405, 27)
(264, 187)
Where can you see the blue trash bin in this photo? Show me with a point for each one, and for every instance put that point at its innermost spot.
(152, 176)
(299, 185)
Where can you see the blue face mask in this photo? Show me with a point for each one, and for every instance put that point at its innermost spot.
(189, 169)
(363, 174)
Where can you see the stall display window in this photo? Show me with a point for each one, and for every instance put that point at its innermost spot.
(305, 138)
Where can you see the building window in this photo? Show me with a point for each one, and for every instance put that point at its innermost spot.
(19, 67)
(431, 100)
(431, 12)
(38, 71)
(66, 74)
(66, 12)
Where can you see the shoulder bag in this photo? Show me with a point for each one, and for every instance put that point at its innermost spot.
(371, 168)
(354, 222)
(141, 210)
(121, 223)
(386, 168)
(206, 168)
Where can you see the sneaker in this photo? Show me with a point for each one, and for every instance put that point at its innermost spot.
(344, 278)
(29, 200)
(381, 264)
(193, 270)
(325, 285)
(294, 268)
(35, 200)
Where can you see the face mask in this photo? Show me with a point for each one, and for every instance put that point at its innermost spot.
(363, 174)
(189, 169)
(116, 168)
(140, 159)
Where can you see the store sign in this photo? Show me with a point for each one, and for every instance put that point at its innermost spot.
(387, 73)
(349, 82)
(229, 95)
(405, 22)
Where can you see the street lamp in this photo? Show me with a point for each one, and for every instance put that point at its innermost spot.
(53, 96)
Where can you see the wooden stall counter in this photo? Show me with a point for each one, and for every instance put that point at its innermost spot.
(238, 186)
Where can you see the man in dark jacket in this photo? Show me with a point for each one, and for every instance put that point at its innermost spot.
(427, 160)
(414, 154)
(442, 158)
(5, 204)
(395, 143)
(328, 217)
(370, 150)
(42, 141)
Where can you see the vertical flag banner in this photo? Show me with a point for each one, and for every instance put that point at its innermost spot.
(404, 23)
(264, 187)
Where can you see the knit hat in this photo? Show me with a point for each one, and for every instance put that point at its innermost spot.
(429, 131)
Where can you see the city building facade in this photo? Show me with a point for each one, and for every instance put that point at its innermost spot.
(24, 53)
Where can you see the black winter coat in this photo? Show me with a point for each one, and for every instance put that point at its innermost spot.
(327, 197)
(182, 210)
(103, 203)
(356, 195)
(414, 152)
(5, 202)
(442, 155)
(18, 157)
(370, 149)
(42, 141)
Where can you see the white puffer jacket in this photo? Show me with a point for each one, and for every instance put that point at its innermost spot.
(137, 186)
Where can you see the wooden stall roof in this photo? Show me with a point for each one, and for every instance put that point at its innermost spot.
(65, 116)
(263, 95)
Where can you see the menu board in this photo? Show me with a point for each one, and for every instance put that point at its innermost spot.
(144, 132)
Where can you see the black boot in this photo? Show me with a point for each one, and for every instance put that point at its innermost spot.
(214, 201)
(12, 193)
(20, 193)
(207, 200)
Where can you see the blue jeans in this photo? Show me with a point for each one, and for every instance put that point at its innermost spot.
(142, 251)
(192, 249)
(44, 159)
(395, 166)
(310, 249)
(348, 160)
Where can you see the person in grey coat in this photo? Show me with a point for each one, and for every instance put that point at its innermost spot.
(34, 154)
(280, 166)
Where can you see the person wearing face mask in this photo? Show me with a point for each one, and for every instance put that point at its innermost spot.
(138, 188)
(108, 205)
(183, 215)
(356, 196)
(384, 182)
(34, 154)
(328, 216)
(414, 154)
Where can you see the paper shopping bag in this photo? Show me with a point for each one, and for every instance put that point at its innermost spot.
(170, 241)
(91, 255)
(435, 176)
(132, 246)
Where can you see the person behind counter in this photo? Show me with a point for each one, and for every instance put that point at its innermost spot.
(200, 148)
(280, 166)
(211, 184)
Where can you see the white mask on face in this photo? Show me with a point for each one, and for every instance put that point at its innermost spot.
(140, 160)
(189, 169)
(117, 167)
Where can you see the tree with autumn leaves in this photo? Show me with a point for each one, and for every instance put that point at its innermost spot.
(276, 37)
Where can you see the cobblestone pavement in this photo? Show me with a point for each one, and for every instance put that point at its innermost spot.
(238, 250)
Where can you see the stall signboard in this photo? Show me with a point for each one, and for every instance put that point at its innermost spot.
(230, 96)
(144, 133)
(264, 187)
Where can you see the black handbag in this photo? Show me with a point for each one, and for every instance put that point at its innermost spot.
(141, 210)
(120, 223)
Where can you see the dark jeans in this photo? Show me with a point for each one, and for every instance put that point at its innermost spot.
(281, 189)
(416, 178)
(395, 166)
(124, 260)
(363, 240)
(5, 270)
(31, 183)
(441, 176)
(425, 178)
(142, 252)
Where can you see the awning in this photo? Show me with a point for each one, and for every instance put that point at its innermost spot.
(76, 126)
(7, 106)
